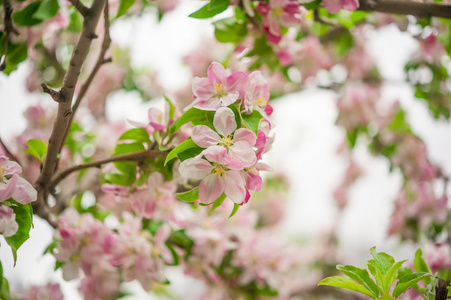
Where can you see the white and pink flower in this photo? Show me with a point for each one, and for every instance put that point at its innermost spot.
(220, 88)
(239, 143)
(218, 174)
(12, 185)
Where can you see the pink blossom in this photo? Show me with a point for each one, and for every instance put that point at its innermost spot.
(334, 6)
(218, 174)
(51, 291)
(257, 95)
(15, 186)
(8, 224)
(239, 143)
(278, 12)
(221, 88)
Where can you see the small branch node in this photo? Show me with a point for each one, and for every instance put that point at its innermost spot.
(56, 95)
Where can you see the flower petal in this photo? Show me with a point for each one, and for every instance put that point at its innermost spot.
(244, 152)
(204, 136)
(219, 154)
(224, 121)
(210, 188)
(195, 168)
(24, 192)
(245, 135)
(234, 186)
(217, 73)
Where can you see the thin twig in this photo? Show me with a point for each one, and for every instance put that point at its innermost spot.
(10, 154)
(403, 7)
(100, 61)
(320, 20)
(135, 156)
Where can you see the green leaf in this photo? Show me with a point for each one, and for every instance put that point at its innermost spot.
(124, 6)
(47, 10)
(421, 265)
(360, 276)
(136, 134)
(344, 42)
(189, 196)
(1, 275)
(4, 291)
(408, 281)
(218, 202)
(391, 275)
(229, 30)
(192, 152)
(128, 148)
(211, 9)
(24, 219)
(171, 108)
(25, 16)
(252, 121)
(312, 5)
(346, 283)
(16, 54)
(235, 209)
(37, 148)
(188, 144)
(120, 179)
(174, 254)
(190, 115)
(383, 261)
(75, 22)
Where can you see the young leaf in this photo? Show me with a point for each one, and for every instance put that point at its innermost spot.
(24, 220)
(235, 209)
(37, 148)
(419, 263)
(360, 276)
(126, 179)
(391, 275)
(383, 261)
(188, 144)
(346, 283)
(211, 9)
(408, 281)
(189, 196)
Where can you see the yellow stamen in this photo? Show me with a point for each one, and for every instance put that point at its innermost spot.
(218, 87)
(227, 141)
(261, 101)
(279, 11)
(218, 170)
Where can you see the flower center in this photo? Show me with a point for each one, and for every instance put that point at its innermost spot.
(2, 173)
(278, 11)
(227, 141)
(219, 92)
(261, 101)
(218, 170)
(218, 87)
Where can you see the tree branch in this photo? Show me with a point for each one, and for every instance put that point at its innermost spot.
(53, 93)
(65, 104)
(82, 9)
(403, 7)
(100, 61)
(135, 156)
